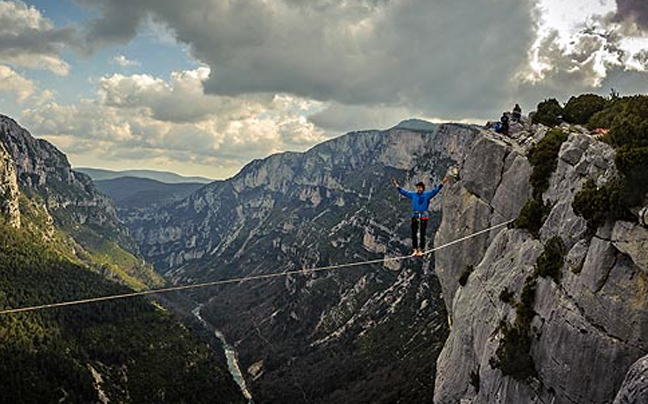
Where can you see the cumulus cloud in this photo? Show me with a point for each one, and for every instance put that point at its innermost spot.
(123, 61)
(429, 57)
(12, 82)
(22, 88)
(582, 46)
(283, 73)
(28, 39)
(147, 118)
(450, 59)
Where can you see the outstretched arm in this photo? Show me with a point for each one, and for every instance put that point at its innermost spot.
(436, 189)
(400, 190)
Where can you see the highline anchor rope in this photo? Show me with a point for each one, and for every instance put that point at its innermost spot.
(242, 279)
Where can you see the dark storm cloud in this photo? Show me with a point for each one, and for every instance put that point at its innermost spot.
(27, 39)
(633, 10)
(37, 41)
(454, 59)
(118, 24)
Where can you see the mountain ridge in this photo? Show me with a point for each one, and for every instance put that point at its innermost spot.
(168, 177)
(130, 350)
(130, 193)
(331, 204)
(66, 203)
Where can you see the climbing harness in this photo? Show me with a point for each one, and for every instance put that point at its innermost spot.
(304, 271)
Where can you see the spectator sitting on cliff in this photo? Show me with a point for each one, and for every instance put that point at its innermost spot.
(517, 113)
(504, 125)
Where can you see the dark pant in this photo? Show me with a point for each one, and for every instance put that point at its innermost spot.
(415, 232)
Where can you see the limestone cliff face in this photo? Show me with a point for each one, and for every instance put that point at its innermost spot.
(635, 386)
(70, 197)
(589, 328)
(59, 199)
(9, 208)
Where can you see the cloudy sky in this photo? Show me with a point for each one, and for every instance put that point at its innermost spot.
(201, 87)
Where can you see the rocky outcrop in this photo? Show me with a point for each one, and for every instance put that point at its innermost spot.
(635, 386)
(70, 197)
(589, 327)
(493, 188)
(9, 207)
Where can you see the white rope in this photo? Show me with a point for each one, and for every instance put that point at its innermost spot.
(241, 279)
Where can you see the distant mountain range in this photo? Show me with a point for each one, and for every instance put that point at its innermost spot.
(163, 176)
(139, 193)
(417, 125)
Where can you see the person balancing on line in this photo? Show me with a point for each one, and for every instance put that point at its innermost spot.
(420, 205)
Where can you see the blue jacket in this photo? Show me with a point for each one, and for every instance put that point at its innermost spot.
(420, 203)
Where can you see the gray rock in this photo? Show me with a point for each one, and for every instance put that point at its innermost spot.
(477, 312)
(635, 386)
(576, 256)
(562, 220)
(514, 190)
(572, 150)
(9, 192)
(483, 167)
(464, 214)
(593, 321)
(632, 239)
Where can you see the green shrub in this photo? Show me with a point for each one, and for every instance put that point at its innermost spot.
(549, 113)
(604, 118)
(532, 216)
(474, 379)
(627, 119)
(524, 308)
(579, 110)
(463, 279)
(544, 159)
(599, 204)
(629, 159)
(513, 356)
(552, 259)
(506, 295)
(632, 162)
